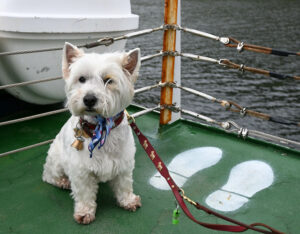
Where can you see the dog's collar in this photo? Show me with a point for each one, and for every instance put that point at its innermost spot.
(89, 128)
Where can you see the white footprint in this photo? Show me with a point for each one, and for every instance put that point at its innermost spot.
(187, 163)
(244, 181)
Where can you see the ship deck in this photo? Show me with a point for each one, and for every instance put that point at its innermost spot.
(28, 205)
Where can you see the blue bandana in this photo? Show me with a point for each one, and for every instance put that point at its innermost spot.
(103, 128)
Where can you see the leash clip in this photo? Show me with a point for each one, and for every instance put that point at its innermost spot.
(129, 117)
(187, 198)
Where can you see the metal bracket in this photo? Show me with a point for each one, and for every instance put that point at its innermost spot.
(171, 27)
(170, 53)
(172, 107)
(240, 47)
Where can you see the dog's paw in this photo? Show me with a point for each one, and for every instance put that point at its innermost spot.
(63, 183)
(84, 218)
(133, 204)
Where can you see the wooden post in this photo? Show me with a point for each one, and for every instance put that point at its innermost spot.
(169, 66)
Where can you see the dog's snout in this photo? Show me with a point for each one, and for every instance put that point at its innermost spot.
(89, 100)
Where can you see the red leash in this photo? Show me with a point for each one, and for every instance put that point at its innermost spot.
(180, 197)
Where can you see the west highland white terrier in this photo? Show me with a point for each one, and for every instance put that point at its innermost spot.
(96, 144)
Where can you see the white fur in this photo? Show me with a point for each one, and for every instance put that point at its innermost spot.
(114, 162)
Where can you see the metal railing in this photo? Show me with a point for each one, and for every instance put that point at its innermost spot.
(228, 126)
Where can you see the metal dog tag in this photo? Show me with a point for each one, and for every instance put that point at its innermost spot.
(78, 143)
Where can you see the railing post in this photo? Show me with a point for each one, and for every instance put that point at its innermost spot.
(170, 64)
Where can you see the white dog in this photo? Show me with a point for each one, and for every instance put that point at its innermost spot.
(98, 88)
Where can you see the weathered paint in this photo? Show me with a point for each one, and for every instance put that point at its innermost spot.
(169, 44)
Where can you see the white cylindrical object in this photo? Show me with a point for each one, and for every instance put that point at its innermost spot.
(32, 24)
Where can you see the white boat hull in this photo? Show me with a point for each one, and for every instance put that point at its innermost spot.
(48, 27)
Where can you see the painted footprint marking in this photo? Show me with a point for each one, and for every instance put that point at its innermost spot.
(187, 163)
(244, 181)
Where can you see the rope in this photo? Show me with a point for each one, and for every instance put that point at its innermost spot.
(145, 111)
(241, 132)
(223, 40)
(225, 125)
(33, 117)
(135, 115)
(29, 82)
(173, 108)
(152, 56)
(267, 136)
(198, 116)
(246, 132)
(227, 41)
(143, 59)
(228, 105)
(106, 41)
(199, 58)
(224, 62)
(241, 67)
(243, 111)
(238, 109)
(147, 88)
(26, 148)
(141, 90)
(139, 33)
(241, 46)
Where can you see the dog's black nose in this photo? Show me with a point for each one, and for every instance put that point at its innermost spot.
(89, 100)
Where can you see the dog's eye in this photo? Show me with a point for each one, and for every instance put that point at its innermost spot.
(82, 79)
(108, 80)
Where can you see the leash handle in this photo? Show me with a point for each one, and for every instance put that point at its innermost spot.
(180, 197)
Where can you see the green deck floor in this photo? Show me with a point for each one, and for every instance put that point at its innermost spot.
(27, 205)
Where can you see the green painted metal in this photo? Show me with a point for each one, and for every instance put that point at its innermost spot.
(27, 205)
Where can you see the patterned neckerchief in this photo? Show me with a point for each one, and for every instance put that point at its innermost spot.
(102, 130)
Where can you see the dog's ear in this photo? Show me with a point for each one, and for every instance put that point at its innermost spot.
(131, 64)
(70, 53)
